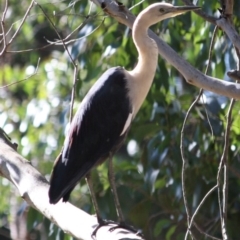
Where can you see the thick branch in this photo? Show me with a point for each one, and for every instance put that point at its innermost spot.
(227, 6)
(192, 75)
(231, 32)
(33, 188)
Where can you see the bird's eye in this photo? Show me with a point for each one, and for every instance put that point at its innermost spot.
(161, 10)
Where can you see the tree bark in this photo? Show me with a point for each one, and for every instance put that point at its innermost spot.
(33, 188)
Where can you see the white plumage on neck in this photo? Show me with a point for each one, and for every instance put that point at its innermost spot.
(141, 77)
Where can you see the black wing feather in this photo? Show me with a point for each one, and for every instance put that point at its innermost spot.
(94, 132)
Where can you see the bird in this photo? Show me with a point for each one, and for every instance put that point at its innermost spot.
(104, 116)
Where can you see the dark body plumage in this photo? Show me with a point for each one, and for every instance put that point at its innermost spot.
(95, 132)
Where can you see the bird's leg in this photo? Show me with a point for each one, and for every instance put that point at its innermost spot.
(101, 222)
(121, 223)
(111, 178)
(93, 197)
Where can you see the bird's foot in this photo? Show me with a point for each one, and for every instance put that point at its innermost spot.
(101, 223)
(127, 227)
(123, 225)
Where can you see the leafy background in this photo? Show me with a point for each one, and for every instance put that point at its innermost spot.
(35, 112)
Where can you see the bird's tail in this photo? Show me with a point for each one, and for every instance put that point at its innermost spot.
(55, 191)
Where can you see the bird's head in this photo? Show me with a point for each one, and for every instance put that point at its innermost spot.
(159, 11)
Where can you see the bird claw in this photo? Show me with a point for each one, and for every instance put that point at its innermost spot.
(123, 225)
(101, 223)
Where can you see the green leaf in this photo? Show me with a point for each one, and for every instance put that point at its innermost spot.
(170, 232)
(160, 226)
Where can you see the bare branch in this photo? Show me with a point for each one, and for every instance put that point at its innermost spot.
(201, 13)
(231, 32)
(56, 31)
(5, 11)
(182, 138)
(59, 42)
(192, 75)
(22, 22)
(71, 59)
(73, 91)
(20, 26)
(206, 71)
(184, 162)
(204, 233)
(87, 20)
(33, 188)
(22, 80)
(199, 206)
(224, 164)
(3, 28)
(227, 7)
(224, 161)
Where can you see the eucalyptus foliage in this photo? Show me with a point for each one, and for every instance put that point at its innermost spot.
(35, 112)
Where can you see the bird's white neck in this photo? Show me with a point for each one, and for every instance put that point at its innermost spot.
(147, 50)
(144, 72)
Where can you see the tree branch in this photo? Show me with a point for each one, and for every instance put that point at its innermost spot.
(18, 29)
(201, 13)
(231, 32)
(33, 188)
(192, 75)
(227, 7)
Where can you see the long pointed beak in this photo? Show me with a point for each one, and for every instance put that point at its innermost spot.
(183, 9)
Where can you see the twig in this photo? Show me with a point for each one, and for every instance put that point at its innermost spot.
(212, 223)
(202, 14)
(204, 233)
(182, 136)
(136, 4)
(3, 28)
(206, 70)
(18, 29)
(200, 204)
(70, 57)
(50, 21)
(73, 92)
(22, 80)
(224, 164)
(184, 163)
(88, 19)
(230, 30)
(59, 42)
